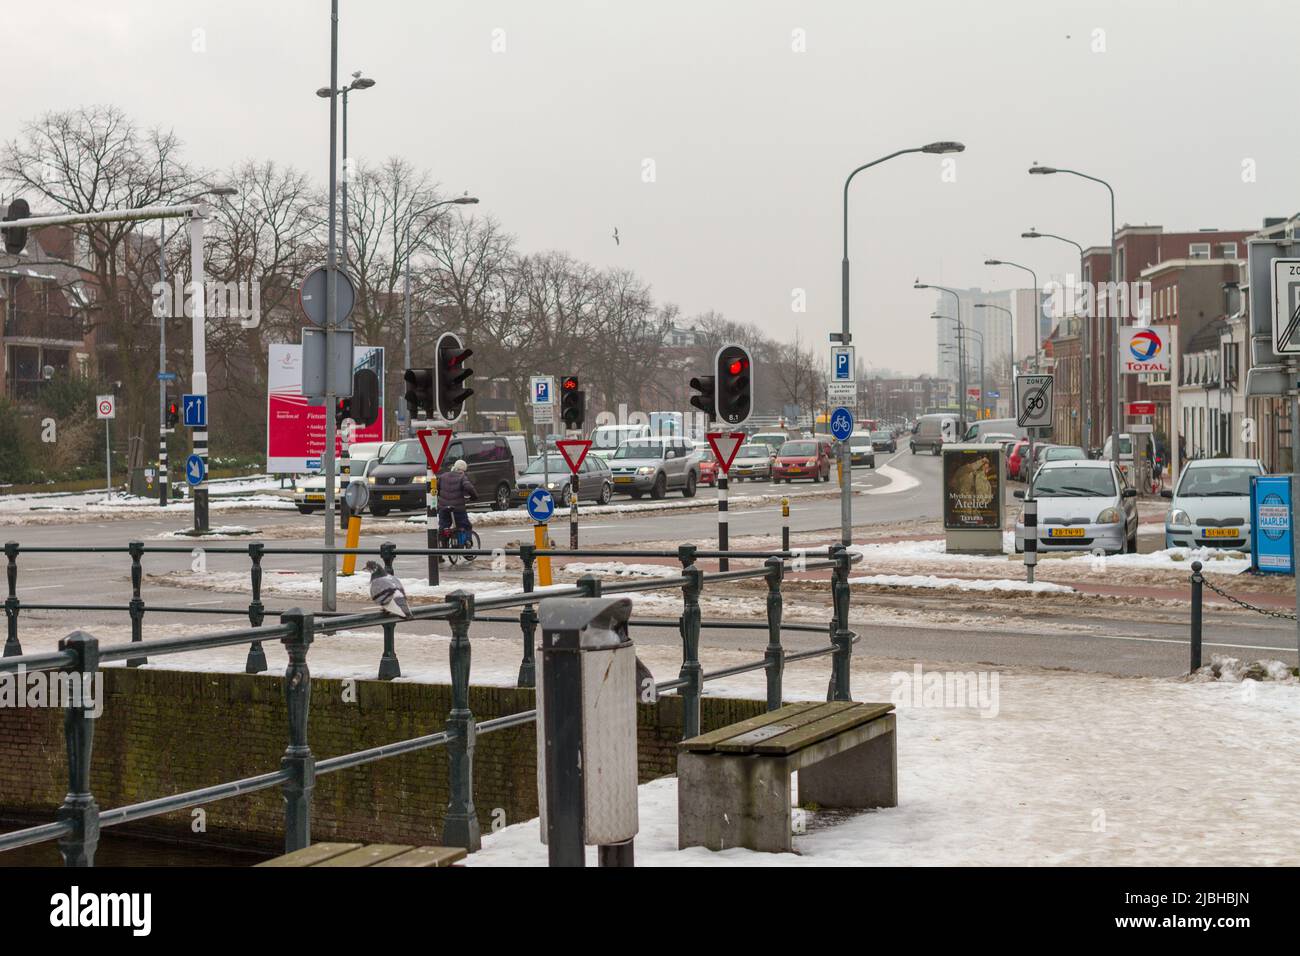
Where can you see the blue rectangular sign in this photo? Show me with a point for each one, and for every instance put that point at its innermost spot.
(194, 409)
(166, 376)
(1272, 526)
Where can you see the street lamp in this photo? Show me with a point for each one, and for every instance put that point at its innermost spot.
(1038, 306)
(961, 369)
(1011, 326)
(1113, 364)
(1085, 350)
(983, 403)
(359, 82)
(406, 313)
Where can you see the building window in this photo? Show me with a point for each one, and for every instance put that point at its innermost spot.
(1199, 250)
(1228, 250)
(1230, 363)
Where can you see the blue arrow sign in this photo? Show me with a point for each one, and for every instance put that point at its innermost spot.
(842, 423)
(194, 408)
(540, 505)
(195, 470)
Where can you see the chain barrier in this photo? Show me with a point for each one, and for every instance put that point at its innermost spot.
(1281, 615)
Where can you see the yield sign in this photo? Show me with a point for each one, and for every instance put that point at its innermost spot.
(725, 445)
(434, 449)
(574, 451)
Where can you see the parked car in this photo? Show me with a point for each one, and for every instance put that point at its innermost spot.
(1210, 505)
(1063, 453)
(883, 440)
(802, 458)
(932, 431)
(1082, 506)
(1125, 454)
(656, 466)
(861, 450)
(309, 490)
(752, 461)
(989, 429)
(595, 481)
(774, 439)
(1016, 459)
(400, 481)
(708, 467)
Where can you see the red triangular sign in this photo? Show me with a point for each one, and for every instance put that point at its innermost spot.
(725, 445)
(574, 451)
(437, 448)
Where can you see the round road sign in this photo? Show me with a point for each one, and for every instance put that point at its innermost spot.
(842, 423)
(311, 296)
(357, 495)
(540, 505)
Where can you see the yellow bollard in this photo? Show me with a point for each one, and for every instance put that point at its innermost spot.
(354, 535)
(543, 564)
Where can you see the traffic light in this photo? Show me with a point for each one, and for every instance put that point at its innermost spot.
(173, 412)
(15, 239)
(706, 400)
(342, 411)
(365, 397)
(735, 384)
(451, 374)
(573, 403)
(419, 391)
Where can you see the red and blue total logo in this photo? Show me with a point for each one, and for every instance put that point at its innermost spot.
(1145, 345)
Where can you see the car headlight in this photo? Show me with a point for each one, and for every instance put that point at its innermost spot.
(1177, 517)
(1109, 516)
(370, 479)
(553, 485)
(645, 471)
(420, 480)
(300, 490)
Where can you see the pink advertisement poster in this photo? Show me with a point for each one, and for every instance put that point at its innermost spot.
(295, 431)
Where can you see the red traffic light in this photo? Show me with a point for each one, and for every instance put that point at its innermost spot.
(737, 366)
(569, 384)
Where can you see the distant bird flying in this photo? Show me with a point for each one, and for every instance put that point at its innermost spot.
(387, 591)
(616, 242)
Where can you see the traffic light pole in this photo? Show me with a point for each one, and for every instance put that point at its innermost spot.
(328, 567)
(723, 564)
(199, 377)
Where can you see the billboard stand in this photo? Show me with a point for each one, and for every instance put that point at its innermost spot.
(974, 476)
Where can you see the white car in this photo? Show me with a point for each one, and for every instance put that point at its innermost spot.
(752, 461)
(1082, 506)
(309, 490)
(1210, 506)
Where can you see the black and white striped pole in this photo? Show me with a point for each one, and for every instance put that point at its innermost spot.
(722, 516)
(162, 467)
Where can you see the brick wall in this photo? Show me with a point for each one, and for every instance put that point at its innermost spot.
(164, 732)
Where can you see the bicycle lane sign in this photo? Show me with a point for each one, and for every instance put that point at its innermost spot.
(1034, 401)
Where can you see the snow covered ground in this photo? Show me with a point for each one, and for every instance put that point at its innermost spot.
(233, 494)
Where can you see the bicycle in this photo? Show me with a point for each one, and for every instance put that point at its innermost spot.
(459, 539)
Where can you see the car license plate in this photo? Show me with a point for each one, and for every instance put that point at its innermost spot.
(1221, 532)
(794, 470)
(392, 497)
(1065, 533)
(315, 497)
(623, 481)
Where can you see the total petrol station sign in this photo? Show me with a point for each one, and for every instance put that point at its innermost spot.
(1145, 350)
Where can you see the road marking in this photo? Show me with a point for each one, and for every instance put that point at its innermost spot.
(43, 587)
(197, 603)
(1184, 643)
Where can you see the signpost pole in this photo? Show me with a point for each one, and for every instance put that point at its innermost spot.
(108, 461)
(1295, 492)
(328, 560)
(1031, 518)
(723, 564)
(431, 523)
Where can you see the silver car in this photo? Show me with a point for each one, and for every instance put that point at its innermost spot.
(1210, 507)
(655, 465)
(1082, 506)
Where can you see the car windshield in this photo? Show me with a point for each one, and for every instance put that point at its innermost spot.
(639, 449)
(881, 436)
(798, 449)
(405, 453)
(1065, 454)
(1216, 481)
(611, 436)
(752, 451)
(1074, 483)
(859, 441)
(552, 463)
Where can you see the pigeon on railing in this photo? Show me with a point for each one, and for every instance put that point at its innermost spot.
(387, 591)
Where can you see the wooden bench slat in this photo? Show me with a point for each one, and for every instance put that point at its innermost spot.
(311, 855)
(705, 742)
(368, 855)
(749, 742)
(821, 729)
(427, 856)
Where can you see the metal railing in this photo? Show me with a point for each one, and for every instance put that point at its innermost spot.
(78, 819)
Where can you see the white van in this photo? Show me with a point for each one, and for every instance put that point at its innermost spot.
(993, 426)
(609, 437)
(932, 431)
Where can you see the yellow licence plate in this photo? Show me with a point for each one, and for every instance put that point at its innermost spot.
(315, 497)
(1065, 533)
(794, 470)
(392, 497)
(1221, 532)
(623, 481)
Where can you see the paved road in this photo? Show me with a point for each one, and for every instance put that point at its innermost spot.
(1126, 641)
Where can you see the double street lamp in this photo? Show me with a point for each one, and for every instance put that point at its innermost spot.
(961, 366)
(1038, 307)
(1085, 374)
(962, 332)
(359, 82)
(1113, 364)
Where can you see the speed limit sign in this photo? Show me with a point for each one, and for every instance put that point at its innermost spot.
(105, 406)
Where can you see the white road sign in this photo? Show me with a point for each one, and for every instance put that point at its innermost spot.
(105, 406)
(1286, 306)
(842, 393)
(543, 414)
(1034, 401)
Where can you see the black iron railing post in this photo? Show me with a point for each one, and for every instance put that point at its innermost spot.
(460, 828)
(774, 655)
(256, 661)
(79, 807)
(1197, 581)
(12, 647)
(528, 620)
(841, 636)
(298, 759)
(388, 664)
(136, 606)
(689, 626)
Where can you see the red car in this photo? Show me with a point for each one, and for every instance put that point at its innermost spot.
(708, 469)
(1016, 459)
(802, 458)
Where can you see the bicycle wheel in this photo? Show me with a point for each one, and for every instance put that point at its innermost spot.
(471, 543)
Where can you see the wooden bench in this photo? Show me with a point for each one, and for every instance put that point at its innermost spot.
(376, 854)
(733, 784)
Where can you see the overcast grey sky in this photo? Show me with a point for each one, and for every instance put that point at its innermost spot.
(750, 139)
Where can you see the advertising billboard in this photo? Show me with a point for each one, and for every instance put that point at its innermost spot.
(1144, 349)
(295, 431)
(1271, 531)
(972, 496)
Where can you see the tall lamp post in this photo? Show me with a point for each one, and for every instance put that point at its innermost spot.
(406, 294)
(163, 468)
(961, 366)
(359, 82)
(1011, 347)
(962, 332)
(844, 336)
(1085, 349)
(1038, 306)
(1112, 366)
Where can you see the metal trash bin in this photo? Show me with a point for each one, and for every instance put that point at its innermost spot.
(586, 730)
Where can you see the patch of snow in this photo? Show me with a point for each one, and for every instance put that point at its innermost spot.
(960, 584)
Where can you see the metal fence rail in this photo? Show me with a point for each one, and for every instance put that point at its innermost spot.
(79, 819)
